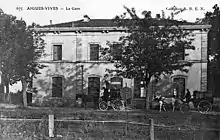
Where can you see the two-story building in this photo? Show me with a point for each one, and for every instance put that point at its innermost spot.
(74, 66)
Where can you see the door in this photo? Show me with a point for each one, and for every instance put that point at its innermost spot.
(93, 87)
(180, 81)
(116, 85)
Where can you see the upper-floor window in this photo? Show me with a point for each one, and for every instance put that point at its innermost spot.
(57, 52)
(116, 50)
(181, 53)
(94, 52)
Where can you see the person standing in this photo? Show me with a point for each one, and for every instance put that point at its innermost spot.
(105, 94)
(188, 95)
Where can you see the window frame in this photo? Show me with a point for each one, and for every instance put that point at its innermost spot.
(182, 57)
(59, 50)
(99, 46)
(120, 44)
(185, 82)
(52, 83)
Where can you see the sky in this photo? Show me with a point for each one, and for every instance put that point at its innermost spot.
(72, 10)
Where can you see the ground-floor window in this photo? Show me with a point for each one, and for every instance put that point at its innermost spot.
(116, 86)
(57, 86)
(93, 85)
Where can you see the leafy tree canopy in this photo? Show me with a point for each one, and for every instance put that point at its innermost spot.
(213, 18)
(152, 46)
(20, 48)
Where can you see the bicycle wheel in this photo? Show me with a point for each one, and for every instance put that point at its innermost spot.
(117, 105)
(103, 106)
(184, 108)
(204, 106)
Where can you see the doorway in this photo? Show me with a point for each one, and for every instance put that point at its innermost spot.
(93, 87)
(180, 82)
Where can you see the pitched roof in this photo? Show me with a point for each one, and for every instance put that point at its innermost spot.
(106, 23)
(82, 23)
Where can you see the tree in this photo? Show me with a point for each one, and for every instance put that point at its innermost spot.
(153, 47)
(21, 48)
(213, 18)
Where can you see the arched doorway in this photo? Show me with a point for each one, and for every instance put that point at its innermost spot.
(93, 88)
(116, 86)
(179, 85)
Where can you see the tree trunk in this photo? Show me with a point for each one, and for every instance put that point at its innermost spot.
(8, 99)
(148, 92)
(7, 87)
(24, 94)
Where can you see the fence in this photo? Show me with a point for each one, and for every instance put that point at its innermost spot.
(11, 98)
(51, 127)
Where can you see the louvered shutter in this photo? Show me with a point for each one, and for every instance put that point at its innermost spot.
(137, 87)
(57, 87)
(94, 51)
(79, 79)
(78, 49)
(116, 51)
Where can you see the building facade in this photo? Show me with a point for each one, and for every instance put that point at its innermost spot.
(75, 67)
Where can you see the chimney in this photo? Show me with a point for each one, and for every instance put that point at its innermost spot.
(158, 16)
(51, 22)
(163, 14)
(86, 18)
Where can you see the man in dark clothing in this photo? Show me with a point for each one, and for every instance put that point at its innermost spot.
(188, 95)
(105, 94)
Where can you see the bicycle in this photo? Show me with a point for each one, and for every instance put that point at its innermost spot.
(116, 104)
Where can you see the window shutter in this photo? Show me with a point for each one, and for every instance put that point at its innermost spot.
(78, 49)
(204, 46)
(94, 51)
(181, 52)
(57, 87)
(137, 87)
(117, 51)
(203, 77)
(79, 79)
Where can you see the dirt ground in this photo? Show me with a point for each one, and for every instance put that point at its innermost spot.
(168, 125)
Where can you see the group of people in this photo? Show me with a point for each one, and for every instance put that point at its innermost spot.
(106, 96)
(188, 98)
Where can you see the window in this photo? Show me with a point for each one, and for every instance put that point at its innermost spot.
(117, 51)
(181, 53)
(57, 52)
(57, 87)
(94, 52)
(115, 88)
